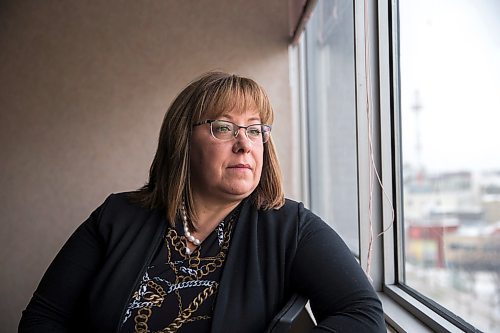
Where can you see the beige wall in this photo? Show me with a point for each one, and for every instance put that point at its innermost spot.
(83, 89)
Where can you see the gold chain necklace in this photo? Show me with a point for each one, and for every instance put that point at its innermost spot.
(172, 239)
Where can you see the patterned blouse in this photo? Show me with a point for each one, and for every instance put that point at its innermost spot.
(177, 292)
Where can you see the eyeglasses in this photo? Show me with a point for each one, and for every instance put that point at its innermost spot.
(226, 130)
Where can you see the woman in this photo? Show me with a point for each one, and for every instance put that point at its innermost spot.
(209, 244)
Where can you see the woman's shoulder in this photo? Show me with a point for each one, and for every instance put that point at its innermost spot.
(293, 214)
(293, 208)
(120, 201)
(121, 209)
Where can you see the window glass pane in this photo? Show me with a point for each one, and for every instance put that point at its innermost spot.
(450, 118)
(332, 117)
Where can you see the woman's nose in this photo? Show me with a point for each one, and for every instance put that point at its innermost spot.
(242, 142)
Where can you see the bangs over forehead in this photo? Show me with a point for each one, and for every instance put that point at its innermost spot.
(225, 93)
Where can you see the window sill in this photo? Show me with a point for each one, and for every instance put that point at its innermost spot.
(404, 313)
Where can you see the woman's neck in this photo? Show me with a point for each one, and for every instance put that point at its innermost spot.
(209, 214)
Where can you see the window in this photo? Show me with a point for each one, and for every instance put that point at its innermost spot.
(409, 91)
(450, 152)
(331, 102)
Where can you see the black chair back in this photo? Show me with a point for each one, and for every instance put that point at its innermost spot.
(293, 318)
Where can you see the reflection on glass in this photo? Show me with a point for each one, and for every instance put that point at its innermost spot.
(450, 89)
(332, 117)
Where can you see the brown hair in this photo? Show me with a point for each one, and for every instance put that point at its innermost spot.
(213, 94)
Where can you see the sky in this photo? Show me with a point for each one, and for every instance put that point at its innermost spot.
(450, 58)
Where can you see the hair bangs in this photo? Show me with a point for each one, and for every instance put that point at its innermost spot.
(233, 94)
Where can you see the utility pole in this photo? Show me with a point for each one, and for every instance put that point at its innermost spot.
(417, 109)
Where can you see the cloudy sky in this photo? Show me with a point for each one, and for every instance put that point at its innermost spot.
(450, 58)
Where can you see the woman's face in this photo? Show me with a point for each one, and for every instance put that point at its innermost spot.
(225, 171)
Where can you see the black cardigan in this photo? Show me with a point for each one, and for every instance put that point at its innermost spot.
(272, 254)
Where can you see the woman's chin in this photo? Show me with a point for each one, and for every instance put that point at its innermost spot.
(240, 192)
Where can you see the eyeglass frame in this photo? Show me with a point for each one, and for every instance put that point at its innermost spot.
(235, 133)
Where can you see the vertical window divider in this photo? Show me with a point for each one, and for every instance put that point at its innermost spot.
(362, 132)
(369, 194)
(396, 164)
(386, 147)
(300, 152)
(304, 128)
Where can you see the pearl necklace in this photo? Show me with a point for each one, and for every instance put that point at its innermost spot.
(188, 234)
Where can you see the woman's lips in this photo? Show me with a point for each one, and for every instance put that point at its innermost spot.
(240, 166)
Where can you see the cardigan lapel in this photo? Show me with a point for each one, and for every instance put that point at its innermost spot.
(241, 292)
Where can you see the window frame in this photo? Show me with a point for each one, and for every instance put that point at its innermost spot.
(394, 292)
(435, 316)
(376, 34)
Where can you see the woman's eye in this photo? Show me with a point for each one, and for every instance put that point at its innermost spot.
(254, 131)
(223, 128)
